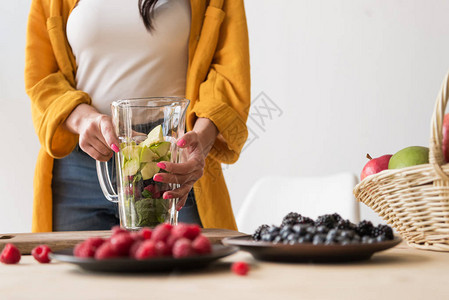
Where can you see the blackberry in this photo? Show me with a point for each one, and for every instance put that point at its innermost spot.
(364, 228)
(382, 230)
(346, 225)
(290, 219)
(306, 220)
(337, 217)
(325, 220)
(257, 236)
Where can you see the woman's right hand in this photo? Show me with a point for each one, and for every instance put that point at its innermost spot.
(96, 132)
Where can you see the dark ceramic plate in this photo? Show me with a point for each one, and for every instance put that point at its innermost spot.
(307, 251)
(159, 264)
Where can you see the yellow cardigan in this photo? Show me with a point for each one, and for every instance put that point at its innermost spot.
(218, 85)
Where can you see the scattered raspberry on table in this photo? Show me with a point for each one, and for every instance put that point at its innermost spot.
(40, 253)
(240, 268)
(10, 254)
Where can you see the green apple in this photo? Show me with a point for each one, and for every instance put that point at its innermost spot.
(161, 149)
(147, 155)
(149, 170)
(410, 156)
(130, 151)
(131, 166)
(155, 136)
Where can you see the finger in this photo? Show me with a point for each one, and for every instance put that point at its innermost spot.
(188, 139)
(94, 153)
(196, 162)
(181, 193)
(181, 202)
(178, 178)
(108, 133)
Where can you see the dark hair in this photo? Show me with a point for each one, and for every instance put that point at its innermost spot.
(146, 8)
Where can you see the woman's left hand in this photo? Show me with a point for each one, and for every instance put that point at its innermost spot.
(196, 145)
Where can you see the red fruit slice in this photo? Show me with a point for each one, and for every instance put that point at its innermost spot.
(10, 254)
(40, 253)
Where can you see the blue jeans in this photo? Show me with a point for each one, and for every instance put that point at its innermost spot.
(79, 203)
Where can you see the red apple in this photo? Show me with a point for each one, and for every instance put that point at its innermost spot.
(446, 137)
(375, 165)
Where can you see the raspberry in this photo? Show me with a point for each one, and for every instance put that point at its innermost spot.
(146, 233)
(146, 250)
(105, 251)
(162, 248)
(40, 253)
(189, 231)
(84, 250)
(134, 247)
(182, 248)
(121, 242)
(201, 245)
(95, 242)
(161, 232)
(117, 229)
(240, 268)
(10, 254)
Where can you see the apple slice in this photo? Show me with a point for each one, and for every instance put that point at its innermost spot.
(161, 149)
(131, 166)
(147, 155)
(130, 152)
(149, 170)
(155, 136)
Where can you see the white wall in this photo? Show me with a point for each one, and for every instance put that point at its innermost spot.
(346, 77)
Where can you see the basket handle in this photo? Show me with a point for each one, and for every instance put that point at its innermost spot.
(436, 157)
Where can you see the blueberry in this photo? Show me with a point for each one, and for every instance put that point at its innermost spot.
(277, 239)
(347, 234)
(322, 229)
(319, 239)
(311, 230)
(301, 229)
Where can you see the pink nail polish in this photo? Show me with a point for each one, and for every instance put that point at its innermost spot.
(167, 196)
(161, 165)
(115, 148)
(181, 143)
(157, 177)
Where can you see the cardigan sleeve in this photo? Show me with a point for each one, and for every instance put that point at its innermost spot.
(224, 97)
(49, 82)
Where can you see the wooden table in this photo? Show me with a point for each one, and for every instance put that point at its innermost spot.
(398, 273)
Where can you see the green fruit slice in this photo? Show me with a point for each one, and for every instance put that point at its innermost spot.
(130, 152)
(155, 136)
(147, 155)
(130, 167)
(149, 170)
(161, 149)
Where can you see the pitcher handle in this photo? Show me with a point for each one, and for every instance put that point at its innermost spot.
(105, 181)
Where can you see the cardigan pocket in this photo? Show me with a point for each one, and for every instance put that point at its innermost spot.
(59, 44)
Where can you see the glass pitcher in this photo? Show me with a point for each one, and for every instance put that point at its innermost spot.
(147, 129)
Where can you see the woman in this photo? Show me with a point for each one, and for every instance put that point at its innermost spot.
(71, 122)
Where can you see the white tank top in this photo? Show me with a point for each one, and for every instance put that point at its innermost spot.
(118, 58)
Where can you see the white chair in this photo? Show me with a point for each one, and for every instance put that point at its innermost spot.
(271, 198)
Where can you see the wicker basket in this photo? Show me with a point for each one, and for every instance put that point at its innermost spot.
(415, 200)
